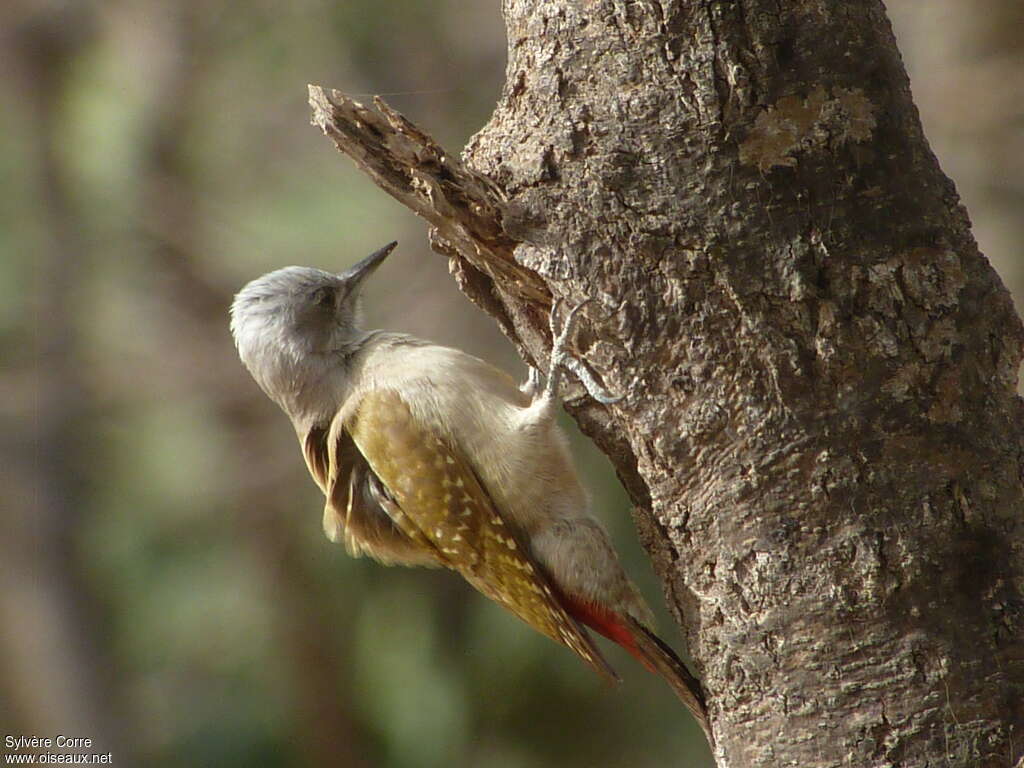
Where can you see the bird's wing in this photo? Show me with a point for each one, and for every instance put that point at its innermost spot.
(314, 448)
(436, 492)
(356, 513)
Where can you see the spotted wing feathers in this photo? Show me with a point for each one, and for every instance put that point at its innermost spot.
(358, 511)
(436, 495)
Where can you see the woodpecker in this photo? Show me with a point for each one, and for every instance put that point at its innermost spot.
(429, 456)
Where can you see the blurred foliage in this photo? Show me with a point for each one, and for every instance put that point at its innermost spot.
(167, 587)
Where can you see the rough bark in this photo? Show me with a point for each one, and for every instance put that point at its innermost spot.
(820, 428)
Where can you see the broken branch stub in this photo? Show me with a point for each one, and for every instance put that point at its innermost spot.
(465, 208)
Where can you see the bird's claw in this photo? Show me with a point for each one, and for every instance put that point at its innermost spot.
(562, 358)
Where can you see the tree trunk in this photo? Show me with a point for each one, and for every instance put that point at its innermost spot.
(819, 426)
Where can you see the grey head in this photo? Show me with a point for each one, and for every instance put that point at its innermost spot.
(294, 327)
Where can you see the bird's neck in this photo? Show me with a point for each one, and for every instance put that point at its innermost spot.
(307, 387)
(312, 387)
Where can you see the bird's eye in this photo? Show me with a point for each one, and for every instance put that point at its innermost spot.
(324, 297)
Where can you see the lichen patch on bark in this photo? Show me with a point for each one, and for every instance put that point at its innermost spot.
(796, 124)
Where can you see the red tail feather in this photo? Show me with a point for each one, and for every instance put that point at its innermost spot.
(649, 650)
(608, 624)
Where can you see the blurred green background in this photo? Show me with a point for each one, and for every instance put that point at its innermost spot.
(166, 589)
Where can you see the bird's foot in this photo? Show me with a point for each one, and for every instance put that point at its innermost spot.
(534, 383)
(562, 359)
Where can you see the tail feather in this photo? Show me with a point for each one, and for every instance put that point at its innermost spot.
(665, 662)
(650, 651)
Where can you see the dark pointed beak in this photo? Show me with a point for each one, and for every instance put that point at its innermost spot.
(355, 275)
